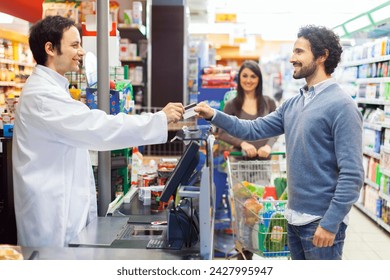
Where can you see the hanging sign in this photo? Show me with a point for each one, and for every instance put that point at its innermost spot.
(231, 18)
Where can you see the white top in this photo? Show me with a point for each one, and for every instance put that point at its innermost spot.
(54, 188)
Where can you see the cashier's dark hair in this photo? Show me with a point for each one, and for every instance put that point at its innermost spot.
(322, 39)
(49, 29)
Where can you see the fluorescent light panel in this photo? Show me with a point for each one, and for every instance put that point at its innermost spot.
(4, 18)
(339, 31)
(357, 23)
(381, 14)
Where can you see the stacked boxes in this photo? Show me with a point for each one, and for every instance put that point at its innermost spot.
(91, 96)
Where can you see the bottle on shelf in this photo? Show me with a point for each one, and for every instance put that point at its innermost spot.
(136, 165)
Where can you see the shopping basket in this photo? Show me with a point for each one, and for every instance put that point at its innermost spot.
(258, 198)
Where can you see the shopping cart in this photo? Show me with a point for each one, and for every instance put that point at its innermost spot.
(258, 198)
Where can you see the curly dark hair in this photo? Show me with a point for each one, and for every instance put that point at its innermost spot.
(49, 29)
(321, 39)
(239, 100)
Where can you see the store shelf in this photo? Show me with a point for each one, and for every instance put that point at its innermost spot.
(138, 84)
(10, 61)
(373, 80)
(385, 149)
(7, 84)
(366, 61)
(372, 101)
(370, 153)
(137, 59)
(384, 196)
(385, 171)
(373, 64)
(136, 33)
(13, 36)
(373, 217)
(132, 28)
(371, 183)
(373, 126)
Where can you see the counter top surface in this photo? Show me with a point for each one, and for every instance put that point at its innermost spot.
(77, 253)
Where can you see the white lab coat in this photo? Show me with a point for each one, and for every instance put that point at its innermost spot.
(54, 188)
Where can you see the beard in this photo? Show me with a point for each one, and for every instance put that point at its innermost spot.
(305, 71)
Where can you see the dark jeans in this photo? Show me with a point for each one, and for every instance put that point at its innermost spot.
(300, 243)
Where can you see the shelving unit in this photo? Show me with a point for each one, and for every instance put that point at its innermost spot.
(371, 83)
(136, 34)
(15, 67)
(366, 71)
(20, 72)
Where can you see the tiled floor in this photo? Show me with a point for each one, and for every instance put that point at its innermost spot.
(365, 240)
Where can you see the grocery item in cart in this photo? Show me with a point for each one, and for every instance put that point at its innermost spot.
(275, 239)
(256, 189)
(252, 208)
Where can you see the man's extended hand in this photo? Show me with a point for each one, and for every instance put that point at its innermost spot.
(204, 111)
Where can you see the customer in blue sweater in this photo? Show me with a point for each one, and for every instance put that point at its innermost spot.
(323, 132)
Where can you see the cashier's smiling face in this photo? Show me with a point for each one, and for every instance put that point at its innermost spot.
(69, 58)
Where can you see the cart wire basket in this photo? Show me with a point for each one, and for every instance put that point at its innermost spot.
(258, 199)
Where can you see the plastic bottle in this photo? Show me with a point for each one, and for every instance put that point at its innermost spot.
(136, 166)
(137, 12)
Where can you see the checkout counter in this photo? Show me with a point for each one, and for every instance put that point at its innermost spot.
(126, 237)
(111, 238)
(134, 231)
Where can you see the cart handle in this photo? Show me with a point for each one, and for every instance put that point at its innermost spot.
(226, 154)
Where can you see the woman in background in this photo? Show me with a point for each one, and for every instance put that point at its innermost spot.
(249, 104)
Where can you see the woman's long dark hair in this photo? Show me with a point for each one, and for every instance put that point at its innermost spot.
(239, 100)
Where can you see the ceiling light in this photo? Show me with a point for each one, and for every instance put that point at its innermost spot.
(357, 23)
(339, 30)
(4, 18)
(381, 14)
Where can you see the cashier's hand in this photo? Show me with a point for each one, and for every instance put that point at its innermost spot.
(204, 111)
(174, 112)
(323, 238)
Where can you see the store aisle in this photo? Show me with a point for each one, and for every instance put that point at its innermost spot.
(365, 239)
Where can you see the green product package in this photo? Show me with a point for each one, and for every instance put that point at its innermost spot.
(276, 238)
(280, 186)
(256, 189)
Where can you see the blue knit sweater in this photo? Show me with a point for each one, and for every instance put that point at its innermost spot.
(323, 147)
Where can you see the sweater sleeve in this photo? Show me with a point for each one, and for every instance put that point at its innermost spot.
(236, 141)
(264, 127)
(347, 131)
(223, 135)
(272, 107)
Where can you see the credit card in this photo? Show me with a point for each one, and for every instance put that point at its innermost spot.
(189, 111)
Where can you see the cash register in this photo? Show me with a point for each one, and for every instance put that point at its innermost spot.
(188, 224)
